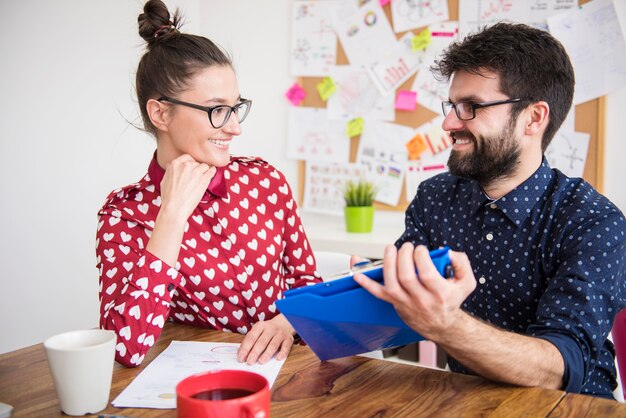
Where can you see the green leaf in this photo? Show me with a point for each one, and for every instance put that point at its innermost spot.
(359, 193)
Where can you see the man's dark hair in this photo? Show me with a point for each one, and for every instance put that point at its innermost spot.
(531, 63)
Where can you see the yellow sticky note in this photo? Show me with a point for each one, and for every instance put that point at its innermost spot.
(355, 127)
(421, 41)
(326, 88)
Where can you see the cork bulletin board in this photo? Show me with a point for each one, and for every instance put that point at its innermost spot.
(589, 118)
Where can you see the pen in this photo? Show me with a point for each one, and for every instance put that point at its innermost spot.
(112, 416)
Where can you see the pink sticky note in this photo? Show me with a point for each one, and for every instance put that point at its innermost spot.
(384, 2)
(406, 100)
(295, 94)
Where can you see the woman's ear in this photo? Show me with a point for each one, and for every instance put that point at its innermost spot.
(537, 118)
(157, 112)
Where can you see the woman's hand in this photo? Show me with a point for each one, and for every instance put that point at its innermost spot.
(265, 339)
(183, 185)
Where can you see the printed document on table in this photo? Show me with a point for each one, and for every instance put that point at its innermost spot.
(155, 386)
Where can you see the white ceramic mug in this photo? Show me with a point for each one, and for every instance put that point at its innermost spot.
(81, 363)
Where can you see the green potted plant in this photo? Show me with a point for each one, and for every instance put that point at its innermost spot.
(359, 210)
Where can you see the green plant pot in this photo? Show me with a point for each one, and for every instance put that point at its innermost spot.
(359, 218)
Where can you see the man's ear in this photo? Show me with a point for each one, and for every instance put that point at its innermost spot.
(537, 118)
(157, 112)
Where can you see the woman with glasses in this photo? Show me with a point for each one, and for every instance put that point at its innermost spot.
(204, 238)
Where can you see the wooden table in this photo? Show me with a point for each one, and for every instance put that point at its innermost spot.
(352, 386)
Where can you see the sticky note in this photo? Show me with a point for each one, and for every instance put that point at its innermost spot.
(296, 94)
(406, 100)
(384, 2)
(355, 127)
(326, 88)
(416, 146)
(421, 41)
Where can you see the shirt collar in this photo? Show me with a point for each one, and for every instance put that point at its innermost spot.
(217, 185)
(519, 202)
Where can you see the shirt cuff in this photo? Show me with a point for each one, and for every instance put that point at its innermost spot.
(573, 376)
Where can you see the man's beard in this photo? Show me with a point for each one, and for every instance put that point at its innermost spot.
(493, 157)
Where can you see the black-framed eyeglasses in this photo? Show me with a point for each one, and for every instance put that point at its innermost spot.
(467, 110)
(218, 115)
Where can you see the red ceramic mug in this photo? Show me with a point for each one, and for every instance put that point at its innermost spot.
(224, 394)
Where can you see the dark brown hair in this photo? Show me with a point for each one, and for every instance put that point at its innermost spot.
(172, 57)
(531, 63)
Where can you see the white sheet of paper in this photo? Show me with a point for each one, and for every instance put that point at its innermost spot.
(411, 14)
(324, 185)
(594, 40)
(313, 137)
(436, 138)
(426, 167)
(568, 152)
(364, 32)
(476, 14)
(155, 386)
(313, 39)
(393, 67)
(382, 150)
(356, 96)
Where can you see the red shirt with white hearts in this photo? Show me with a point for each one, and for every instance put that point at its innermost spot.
(243, 245)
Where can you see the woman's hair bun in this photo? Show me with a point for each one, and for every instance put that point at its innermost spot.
(156, 24)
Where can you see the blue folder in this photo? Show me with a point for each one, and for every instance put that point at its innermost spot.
(340, 318)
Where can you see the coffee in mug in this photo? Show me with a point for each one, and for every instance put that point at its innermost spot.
(224, 394)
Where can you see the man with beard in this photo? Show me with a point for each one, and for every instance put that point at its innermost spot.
(538, 257)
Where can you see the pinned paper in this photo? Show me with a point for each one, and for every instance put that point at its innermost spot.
(313, 137)
(434, 136)
(384, 2)
(406, 100)
(395, 65)
(382, 150)
(356, 96)
(424, 168)
(421, 41)
(323, 188)
(313, 40)
(296, 94)
(412, 14)
(326, 88)
(416, 146)
(355, 127)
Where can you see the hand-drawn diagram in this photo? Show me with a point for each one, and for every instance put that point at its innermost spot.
(411, 14)
(313, 137)
(568, 152)
(313, 42)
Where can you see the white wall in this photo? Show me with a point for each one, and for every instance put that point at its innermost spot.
(66, 93)
(615, 170)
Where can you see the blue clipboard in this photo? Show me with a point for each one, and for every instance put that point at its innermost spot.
(340, 318)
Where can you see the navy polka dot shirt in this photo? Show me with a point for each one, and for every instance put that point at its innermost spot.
(549, 259)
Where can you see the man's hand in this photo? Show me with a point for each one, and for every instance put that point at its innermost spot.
(428, 303)
(266, 339)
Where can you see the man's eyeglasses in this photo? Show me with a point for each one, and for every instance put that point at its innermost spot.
(218, 115)
(467, 110)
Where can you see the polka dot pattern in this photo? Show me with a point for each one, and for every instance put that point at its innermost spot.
(238, 254)
(549, 258)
